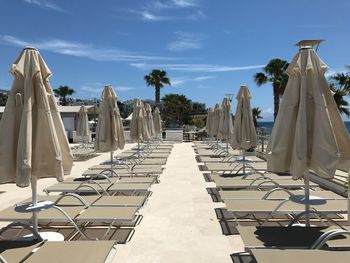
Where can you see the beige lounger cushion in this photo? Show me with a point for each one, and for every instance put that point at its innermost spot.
(266, 206)
(243, 194)
(299, 255)
(73, 251)
(107, 214)
(232, 183)
(16, 251)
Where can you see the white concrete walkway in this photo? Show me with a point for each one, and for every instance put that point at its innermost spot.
(179, 222)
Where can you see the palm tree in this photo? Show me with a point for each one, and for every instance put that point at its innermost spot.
(256, 115)
(3, 99)
(338, 95)
(177, 107)
(275, 72)
(62, 92)
(342, 80)
(158, 79)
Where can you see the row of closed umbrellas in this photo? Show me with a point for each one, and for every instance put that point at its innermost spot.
(241, 133)
(308, 133)
(33, 143)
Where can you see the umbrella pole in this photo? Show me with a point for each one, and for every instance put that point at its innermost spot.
(111, 163)
(349, 198)
(243, 159)
(34, 202)
(307, 198)
(138, 149)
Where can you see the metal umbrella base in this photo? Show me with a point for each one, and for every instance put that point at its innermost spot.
(40, 206)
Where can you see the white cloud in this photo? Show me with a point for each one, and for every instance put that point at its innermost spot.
(195, 67)
(179, 81)
(184, 3)
(159, 5)
(80, 50)
(155, 10)
(46, 5)
(198, 15)
(124, 88)
(186, 41)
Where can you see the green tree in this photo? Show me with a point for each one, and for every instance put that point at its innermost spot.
(256, 115)
(338, 95)
(3, 99)
(157, 78)
(62, 92)
(274, 72)
(342, 80)
(176, 109)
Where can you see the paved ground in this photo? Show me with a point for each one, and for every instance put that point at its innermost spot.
(179, 222)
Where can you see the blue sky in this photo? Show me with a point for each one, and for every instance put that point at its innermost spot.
(209, 48)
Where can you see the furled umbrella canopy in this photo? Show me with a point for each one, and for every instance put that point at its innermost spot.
(149, 120)
(209, 123)
(309, 133)
(110, 130)
(244, 134)
(83, 122)
(33, 142)
(216, 119)
(138, 126)
(225, 130)
(157, 121)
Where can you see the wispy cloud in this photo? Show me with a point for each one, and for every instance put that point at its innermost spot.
(179, 81)
(95, 88)
(198, 15)
(46, 5)
(209, 68)
(158, 10)
(186, 41)
(124, 88)
(172, 4)
(80, 50)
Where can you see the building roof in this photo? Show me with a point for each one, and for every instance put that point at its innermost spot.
(63, 109)
(73, 109)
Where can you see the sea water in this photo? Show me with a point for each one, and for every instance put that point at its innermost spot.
(266, 126)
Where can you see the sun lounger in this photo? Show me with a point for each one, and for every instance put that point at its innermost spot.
(106, 179)
(156, 169)
(281, 194)
(292, 237)
(229, 159)
(132, 161)
(107, 217)
(98, 188)
(58, 252)
(233, 167)
(229, 183)
(74, 251)
(299, 255)
(150, 155)
(238, 207)
(93, 173)
(219, 152)
(93, 200)
(251, 176)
